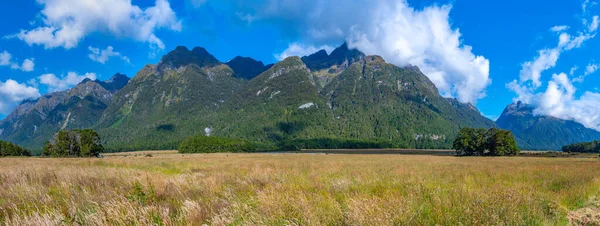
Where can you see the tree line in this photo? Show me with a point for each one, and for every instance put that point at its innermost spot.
(10, 149)
(482, 142)
(584, 147)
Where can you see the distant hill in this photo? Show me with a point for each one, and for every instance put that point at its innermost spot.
(542, 132)
(342, 99)
(34, 122)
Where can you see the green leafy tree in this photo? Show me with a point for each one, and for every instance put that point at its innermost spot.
(74, 143)
(501, 143)
(493, 142)
(10, 149)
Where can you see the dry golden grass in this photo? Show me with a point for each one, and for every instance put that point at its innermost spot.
(297, 189)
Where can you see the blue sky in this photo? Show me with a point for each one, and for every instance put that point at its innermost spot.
(477, 51)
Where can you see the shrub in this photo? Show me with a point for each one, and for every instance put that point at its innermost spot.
(204, 144)
(10, 149)
(493, 142)
(74, 143)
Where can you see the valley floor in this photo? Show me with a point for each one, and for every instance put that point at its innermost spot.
(165, 188)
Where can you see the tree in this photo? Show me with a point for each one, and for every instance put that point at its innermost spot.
(493, 142)
(501, 143)
(204, 144)
(74, 143)
(10, 149)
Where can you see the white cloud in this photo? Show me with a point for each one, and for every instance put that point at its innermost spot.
(55, 83)
(532, 70)
(559, 28)
(573, 70)
(589, 69)
(296, 49)
(559, 99)
(397, 32)
(594, 25)
(7, 60)
(12, 93)
(28, 65)
(102, 56)
(67, 22)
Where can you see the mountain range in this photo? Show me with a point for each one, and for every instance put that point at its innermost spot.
(320, 100)
(537, 132)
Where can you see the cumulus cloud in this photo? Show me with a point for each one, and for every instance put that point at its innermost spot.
(67, 22)
(101, 56)
(559, 99)
(296, 49)
(12, 93)
(394, 30)
(67, 81)
(7, 61)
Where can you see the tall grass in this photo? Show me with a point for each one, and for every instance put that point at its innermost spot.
(276, 189)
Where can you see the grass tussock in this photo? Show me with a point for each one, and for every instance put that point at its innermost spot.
(292, 189)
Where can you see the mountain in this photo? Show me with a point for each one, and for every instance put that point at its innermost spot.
(34, 122)
(363, 99)
(325, 67)
(342, 99)
(246, 67)
(536, 132)
(166, 102)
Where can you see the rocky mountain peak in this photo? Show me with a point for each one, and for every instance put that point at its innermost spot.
(182, 56)
(341, 55)
(246, 67)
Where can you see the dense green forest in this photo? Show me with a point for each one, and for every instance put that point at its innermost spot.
(204, 144)
(585, 147)
(342, 100)
(10, 149)
(482, 142)
(74, 143)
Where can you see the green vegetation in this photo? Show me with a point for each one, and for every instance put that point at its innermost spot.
(481, 142)
(363, 103)
(536, 132)
(10, 149)
(299, 189)
(585, 147)
(74, 143)
(204, 144)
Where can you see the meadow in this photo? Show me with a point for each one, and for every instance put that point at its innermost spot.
(165, 188)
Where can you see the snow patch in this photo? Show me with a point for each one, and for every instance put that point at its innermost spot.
(1, 131)
(207, 131)
(307, 105)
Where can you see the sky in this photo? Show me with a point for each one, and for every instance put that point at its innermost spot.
(488, 53)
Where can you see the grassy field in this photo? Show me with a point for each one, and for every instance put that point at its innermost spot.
(164, 188)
